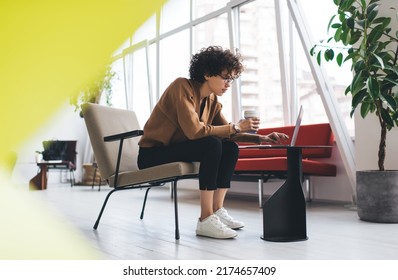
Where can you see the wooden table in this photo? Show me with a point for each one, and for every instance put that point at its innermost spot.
(39, 182)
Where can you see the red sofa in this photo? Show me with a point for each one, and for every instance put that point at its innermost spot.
(262, 164)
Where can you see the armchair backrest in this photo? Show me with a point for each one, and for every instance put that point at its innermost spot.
(104, 121)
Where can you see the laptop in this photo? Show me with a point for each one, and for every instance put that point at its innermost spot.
(297, 127)
(294, 136)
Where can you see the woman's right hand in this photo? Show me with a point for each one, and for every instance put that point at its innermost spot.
(274, 138)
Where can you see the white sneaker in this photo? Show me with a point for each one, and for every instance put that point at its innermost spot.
(213, 227)
(228, 220)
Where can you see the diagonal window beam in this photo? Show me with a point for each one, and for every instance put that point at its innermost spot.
(339, 128)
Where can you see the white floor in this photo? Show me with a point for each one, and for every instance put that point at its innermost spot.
(334, 231)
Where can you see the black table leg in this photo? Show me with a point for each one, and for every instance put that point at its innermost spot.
(284, 213)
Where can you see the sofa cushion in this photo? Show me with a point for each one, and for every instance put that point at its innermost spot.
(309, 135)
(270, 164)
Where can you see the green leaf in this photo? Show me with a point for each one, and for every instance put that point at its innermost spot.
(347, 90)
(346, 4)
(351, 23)
(373, 87)
(345, 37)
(379, 59)
(337, 34)
(318, 57)
(386, 117)
(390, 101)
(330, 23)
(357, 83)
(373, 1)
(329, 54)
(384, 20)
(351, 55)
(376, 33)
(363, 3)
(339, 59)
(365, 108)
(352, 112)
(357, 98)
(312, 50)
(355, 37)
(336, 25)
(392, 80)
(372, 11)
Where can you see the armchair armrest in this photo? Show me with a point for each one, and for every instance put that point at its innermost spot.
(124, 135)
(120, 137)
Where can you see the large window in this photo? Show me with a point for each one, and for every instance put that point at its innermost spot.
(174, 14)
(339, 77)
(214, 32)
(202, 8)
(174, 58)
(257, 29)
(261, 82)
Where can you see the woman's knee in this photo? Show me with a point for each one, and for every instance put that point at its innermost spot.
(231, 148)
(212, 143)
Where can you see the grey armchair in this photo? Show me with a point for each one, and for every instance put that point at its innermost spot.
(114, 135)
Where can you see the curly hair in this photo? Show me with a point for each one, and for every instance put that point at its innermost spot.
(212, 61)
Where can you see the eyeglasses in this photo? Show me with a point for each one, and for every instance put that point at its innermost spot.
(227, 80)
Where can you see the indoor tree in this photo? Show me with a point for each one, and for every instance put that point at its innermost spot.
(370, 43)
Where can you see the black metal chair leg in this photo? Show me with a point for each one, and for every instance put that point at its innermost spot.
(95, 175)
(171, 191)
(103, 208)
(144, 203)
(72, 178)
(177, 230)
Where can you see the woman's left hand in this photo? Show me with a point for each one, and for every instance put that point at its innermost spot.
(249, 125)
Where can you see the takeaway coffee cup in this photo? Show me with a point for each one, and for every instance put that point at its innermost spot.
(250, 114)
(247, 114)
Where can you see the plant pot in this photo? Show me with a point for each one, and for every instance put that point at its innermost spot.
(377, 196)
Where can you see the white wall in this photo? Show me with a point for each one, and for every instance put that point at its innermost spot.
(64, 125)
(367, 133)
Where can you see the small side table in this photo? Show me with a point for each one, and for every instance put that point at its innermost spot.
(39, 182)
(284, 213)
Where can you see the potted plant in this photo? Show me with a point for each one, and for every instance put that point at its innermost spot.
(372, 47)
(92, 93)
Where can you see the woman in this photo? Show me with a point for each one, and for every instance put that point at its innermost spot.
(187, 125)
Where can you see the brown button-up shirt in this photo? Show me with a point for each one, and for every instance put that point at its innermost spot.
(177, 117)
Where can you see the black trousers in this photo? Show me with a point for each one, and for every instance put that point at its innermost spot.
(217, 159)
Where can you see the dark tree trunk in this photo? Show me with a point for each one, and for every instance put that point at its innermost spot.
(382, 145)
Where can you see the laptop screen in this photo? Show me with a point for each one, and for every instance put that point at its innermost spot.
(297, 127)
